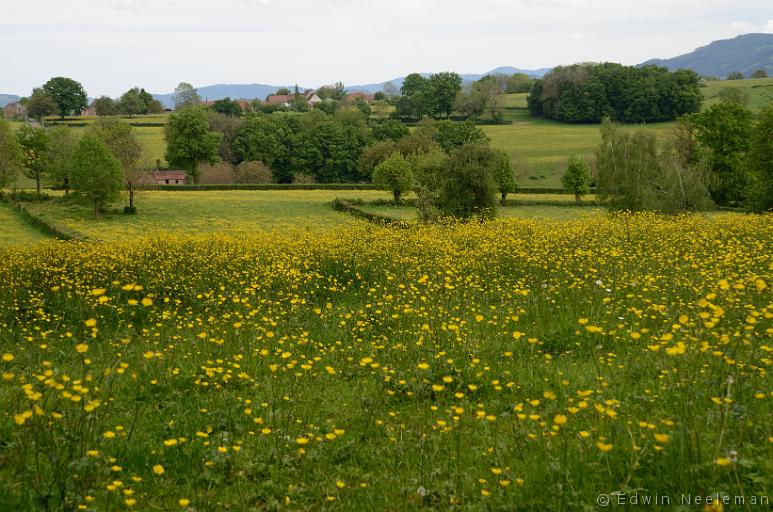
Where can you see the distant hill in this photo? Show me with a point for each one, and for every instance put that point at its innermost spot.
(260, 91)
(398, 82)
(5, 99)
(746, 53)
(220, 91)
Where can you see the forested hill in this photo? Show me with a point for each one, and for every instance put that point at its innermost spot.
(745, 53)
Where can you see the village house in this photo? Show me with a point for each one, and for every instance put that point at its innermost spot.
(286, 100)
(15, 111)
(352, 97)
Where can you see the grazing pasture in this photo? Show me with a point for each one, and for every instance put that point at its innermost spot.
(15, 231)
(206, 212)
(513, 364)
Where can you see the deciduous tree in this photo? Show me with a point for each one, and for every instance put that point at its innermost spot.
(40, 105)
(33, 142)
(190, 141)
(11, 156)
(69, 95)
(394, 174)
(576, 178)
(97, 176)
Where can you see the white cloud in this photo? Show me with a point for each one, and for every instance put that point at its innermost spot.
(113, 45)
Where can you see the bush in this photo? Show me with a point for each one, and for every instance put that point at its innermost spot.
(469, 187)
(303, 178)
(394, 175)
(219, 173)
(576, 179)
(253, 172)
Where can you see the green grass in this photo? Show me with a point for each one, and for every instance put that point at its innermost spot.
(759, 91)
(526, 211)
(213, 212)
(14, 231)
(545, 146)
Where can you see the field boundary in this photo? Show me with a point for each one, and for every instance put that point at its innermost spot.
(317, 186)
(346, 206)
(50, 229)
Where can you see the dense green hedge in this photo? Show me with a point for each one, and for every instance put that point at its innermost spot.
(266, 186)
(316, 186)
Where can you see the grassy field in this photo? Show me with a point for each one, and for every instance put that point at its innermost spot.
(214, 212)
(519, 364)
(14, 231)
(759, 91)
(544, 146)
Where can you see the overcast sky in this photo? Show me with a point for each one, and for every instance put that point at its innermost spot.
(112, 45)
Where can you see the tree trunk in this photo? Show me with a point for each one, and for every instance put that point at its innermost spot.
(396, 193)
(131, 196)
(504, 196)
(577, 198)
(37, 184)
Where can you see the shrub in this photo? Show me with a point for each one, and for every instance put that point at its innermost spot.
(469, 186)
(394, 174)
(576, 179)
(504, 173)
(252, 172)
(219, 173)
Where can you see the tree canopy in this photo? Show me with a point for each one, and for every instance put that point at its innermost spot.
(69, 95)
(586, 93)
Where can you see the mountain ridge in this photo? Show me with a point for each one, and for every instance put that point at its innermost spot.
(260, 91)
(745, 53)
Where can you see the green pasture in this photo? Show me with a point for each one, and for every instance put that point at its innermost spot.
(14, 231)
(217, 212)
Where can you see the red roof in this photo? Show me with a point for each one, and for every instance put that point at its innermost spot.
(170, 175)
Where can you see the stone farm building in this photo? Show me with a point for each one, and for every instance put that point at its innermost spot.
(167, 177)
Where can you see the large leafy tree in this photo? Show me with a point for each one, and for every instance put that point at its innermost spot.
(444, 87)
(227, 107)
(725, 131)
(58, 156)
(190, 141)
(131, 103)
(11, 156)
(469, 187)
(69, 95)
(123, 144)
(40, 104)
(185, 95)
(152, 105)
(394, 174)
(33, 142)
(96, 172)
(760, 163)
(105, 106)
(452, 134)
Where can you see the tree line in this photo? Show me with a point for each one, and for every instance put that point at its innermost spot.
(587, 93)
(721, 156)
